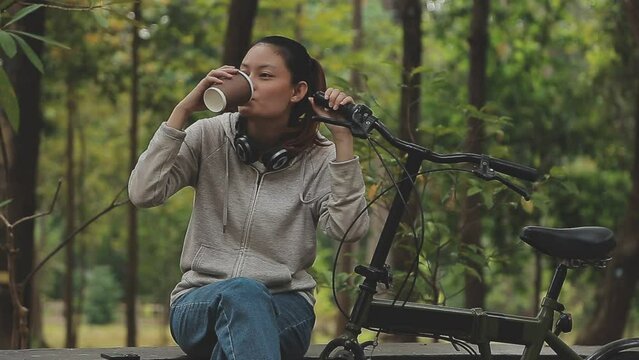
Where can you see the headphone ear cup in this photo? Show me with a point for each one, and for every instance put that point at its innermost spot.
(244, 149)
(276, 159)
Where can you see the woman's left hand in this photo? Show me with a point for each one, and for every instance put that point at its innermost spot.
(336, 98)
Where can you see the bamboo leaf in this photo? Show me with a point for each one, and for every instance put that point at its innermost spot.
(23, 12)
(5, 203)
(8, 100)
(8, 44)
(31, 55)
(41, 38)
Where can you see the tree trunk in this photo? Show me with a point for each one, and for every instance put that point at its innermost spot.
(132, 264)
(81, 250)
(69, 308)
(26, 80)
(299, 21)
(8, 162)
(620, 284)
(410, 12)
(470, 219)
(537, 281)
(37, 309)
(238, 31)
(346, 264)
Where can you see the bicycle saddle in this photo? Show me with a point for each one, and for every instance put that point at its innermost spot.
(580, 243)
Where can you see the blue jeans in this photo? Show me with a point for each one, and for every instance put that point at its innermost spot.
(239, 319)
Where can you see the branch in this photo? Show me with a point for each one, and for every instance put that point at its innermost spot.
(114, 204)
(63, 6)
(31, 217)
(55, 198)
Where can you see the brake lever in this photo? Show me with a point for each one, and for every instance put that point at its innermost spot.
(332, 121)
(487, 173)
(512, 186)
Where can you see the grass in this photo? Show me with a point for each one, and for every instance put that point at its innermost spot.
(151, 329)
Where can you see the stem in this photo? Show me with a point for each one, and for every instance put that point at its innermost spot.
(35, 216)
(19, 311)
(69, 238)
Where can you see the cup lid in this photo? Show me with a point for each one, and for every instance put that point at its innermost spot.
(214, 99)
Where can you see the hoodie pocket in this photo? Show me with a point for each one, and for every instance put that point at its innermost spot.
(217, 263)
(269, 272)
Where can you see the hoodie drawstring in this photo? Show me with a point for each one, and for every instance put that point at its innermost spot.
(225, 213)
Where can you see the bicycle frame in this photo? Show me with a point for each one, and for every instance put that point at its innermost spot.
(476, 325)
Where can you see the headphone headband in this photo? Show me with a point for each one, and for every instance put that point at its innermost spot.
(247, 151)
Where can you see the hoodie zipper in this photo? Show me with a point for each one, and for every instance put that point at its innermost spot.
(244, 245)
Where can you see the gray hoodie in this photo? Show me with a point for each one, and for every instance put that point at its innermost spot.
(246, 221)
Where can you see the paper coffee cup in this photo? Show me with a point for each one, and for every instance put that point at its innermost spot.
(233, 92)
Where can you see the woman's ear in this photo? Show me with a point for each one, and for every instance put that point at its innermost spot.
(299, 92)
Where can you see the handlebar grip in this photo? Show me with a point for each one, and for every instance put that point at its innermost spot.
(346, 110)
(514, 169)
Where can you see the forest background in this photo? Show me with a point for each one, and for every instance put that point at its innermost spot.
(552, 84)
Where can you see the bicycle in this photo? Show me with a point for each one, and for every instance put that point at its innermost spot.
(577, 247)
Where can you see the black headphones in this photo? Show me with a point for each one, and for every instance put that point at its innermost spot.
(273, 159)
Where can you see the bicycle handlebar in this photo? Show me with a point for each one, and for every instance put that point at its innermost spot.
(360, 120)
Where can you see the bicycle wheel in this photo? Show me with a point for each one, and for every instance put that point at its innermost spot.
(624, 349)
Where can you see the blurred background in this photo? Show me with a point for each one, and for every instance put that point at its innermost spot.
(551, 84)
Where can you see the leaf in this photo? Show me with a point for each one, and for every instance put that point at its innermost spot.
(489, 202)
(473, 190)
(41, 38)
(417, 70)
(5, 203)
(23, 12)
(8, 100)
(100, 19)
(31, 55)
(528, 206)
(8, 44)
(372, 191)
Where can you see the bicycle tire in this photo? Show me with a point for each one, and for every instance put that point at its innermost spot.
(624, 349)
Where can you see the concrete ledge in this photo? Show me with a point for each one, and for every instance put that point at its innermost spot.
(439, 351)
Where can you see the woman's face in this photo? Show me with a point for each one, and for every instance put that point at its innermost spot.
(273, 92)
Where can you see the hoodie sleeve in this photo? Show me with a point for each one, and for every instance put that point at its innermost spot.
(345, 203)
(168, 164)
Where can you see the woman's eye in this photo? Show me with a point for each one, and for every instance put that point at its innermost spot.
(266, 75)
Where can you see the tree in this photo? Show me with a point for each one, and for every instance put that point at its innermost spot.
(470, 223)
(238, 30)
(132, 264)
(346, 264)
(620, 283)
(410, 13)
(69, 293)
(26, 81)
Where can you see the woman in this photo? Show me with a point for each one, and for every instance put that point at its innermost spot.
(265, 180)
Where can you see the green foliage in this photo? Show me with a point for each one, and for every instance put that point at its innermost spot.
(103, 294)
(561, 96)
(5, 203)
(10, 39)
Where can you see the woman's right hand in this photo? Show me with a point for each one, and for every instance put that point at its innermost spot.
(193, 101)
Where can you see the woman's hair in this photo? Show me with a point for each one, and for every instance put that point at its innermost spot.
(303, 68)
